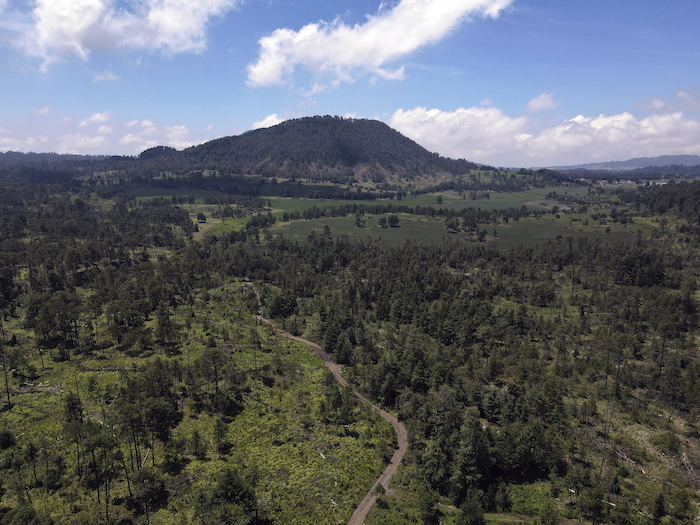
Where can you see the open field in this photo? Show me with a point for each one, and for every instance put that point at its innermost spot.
(146, 192)
(527, 231)
(411, 227)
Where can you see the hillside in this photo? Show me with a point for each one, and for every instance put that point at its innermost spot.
(320, 148)
(327, 148)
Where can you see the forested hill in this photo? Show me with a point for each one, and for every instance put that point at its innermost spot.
(683, 199)
(328, 148)
(322, 148)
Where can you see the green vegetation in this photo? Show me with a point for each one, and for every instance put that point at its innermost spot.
(140, 387)
(540, 346)
(409, 227)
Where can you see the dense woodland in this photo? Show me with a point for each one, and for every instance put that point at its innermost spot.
(556, 380)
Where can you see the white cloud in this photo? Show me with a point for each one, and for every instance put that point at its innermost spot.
(471, 133)
(100, 133)
(176, 136)
(96, 118)
(148, 127)
(152, 135)
(689, 99)
(105, 76)
(63, 28)
(149, 144)
(489, 136)
(657, 105)
(618, 137)
(338, 49)
(42, 111)
(315, 90)
(129, 139)
(26, 144)
(270, 120)
(542, 102)
(79, 143)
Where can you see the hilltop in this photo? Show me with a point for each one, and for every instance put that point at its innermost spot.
(325, 148)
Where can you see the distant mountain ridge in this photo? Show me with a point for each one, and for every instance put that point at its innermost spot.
(636, 163)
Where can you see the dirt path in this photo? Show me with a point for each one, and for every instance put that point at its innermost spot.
(363, 508)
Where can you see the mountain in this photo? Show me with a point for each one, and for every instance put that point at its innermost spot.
(320, 148)
(641, 162)
(324, 148)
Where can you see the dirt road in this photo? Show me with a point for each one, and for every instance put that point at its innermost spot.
(363, 508)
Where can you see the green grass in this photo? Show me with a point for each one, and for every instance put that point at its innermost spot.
(527, 231)
(413, 227)
(307, 471)
(282, 205)
(530, 231)
(496, 201)
(148, 192)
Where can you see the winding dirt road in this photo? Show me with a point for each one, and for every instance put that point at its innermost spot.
(363, 508)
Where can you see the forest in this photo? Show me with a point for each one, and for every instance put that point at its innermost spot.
(547, 381)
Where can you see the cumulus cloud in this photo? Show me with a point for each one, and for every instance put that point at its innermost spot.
(489, 136)
(338, 49)
(35, 143)
(619, 136)
(42, 111)
(269, 121)
(542, 102)
(470, 133)
(79, 143)
(148, 127)
(129, 139)
(148, 134)
(63, 28)
(176, 136)
(100, 133)
(96, 118)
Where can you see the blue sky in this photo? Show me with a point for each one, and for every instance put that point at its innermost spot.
(502, 82)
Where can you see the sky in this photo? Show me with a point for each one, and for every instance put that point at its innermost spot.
(520, 83)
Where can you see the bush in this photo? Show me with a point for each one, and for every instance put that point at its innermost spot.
(7, 438)
(667, 443)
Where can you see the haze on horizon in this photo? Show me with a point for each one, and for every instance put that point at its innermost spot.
(501, 82)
